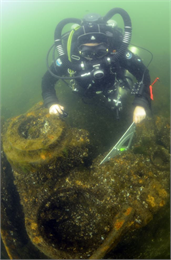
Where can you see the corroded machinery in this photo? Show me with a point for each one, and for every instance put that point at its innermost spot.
(72, 211)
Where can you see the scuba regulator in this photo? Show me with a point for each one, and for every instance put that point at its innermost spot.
(90, 28)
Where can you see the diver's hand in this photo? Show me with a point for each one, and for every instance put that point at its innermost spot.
(56, 109)
(139, 114)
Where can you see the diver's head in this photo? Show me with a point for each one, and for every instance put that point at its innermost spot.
(92, 51)
(93, 37)
(93, 41)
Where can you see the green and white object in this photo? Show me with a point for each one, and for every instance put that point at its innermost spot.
(122, 145)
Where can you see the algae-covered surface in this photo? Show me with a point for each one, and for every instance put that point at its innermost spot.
(57, 202)
(73, 206)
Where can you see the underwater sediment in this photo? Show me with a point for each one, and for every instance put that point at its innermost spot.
(73, 211)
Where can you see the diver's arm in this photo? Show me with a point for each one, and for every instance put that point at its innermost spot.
(48, 87)
(136, 67)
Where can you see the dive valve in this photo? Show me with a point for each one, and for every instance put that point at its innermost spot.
(91, 18)
(97, 72)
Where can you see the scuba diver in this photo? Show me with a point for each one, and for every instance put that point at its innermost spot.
(94, 55)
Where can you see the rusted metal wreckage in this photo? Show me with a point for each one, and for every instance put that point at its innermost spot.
(65, 209)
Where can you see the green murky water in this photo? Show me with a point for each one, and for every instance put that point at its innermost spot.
(27, 30)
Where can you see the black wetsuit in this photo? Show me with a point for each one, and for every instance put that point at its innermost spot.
(128, 61)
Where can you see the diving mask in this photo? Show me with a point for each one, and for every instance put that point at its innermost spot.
(93, 52)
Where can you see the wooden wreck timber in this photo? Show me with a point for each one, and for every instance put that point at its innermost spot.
(72, 211)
